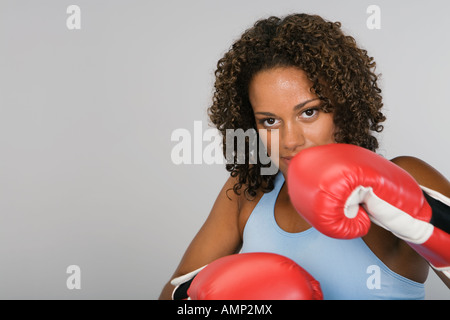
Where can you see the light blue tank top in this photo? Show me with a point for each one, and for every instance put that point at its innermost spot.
(346, 269)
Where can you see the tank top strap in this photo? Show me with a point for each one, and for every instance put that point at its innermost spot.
(278, 184)
(264, 209)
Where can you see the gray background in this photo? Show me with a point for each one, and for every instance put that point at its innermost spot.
(86, 117)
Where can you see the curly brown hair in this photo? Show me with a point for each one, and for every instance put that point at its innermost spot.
(342, 74)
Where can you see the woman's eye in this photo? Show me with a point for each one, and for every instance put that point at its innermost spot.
(309, 113)
(269, 122)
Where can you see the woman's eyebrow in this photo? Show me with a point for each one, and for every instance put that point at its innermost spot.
(297, 107)
(268, 114)
(301, 105)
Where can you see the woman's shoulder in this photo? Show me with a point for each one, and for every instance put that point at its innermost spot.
(424, 173)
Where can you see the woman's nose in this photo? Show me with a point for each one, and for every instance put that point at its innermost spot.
(291, 138)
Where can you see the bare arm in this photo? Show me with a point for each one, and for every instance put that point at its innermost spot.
(219, 236)
(429, 177)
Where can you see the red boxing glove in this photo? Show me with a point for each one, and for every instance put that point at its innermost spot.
(340, 188)
(254, 276)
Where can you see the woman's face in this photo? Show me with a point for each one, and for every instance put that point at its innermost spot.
(282, 99)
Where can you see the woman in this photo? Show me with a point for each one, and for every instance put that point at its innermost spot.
(302, 76)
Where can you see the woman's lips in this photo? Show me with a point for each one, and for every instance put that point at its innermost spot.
(286, 160)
